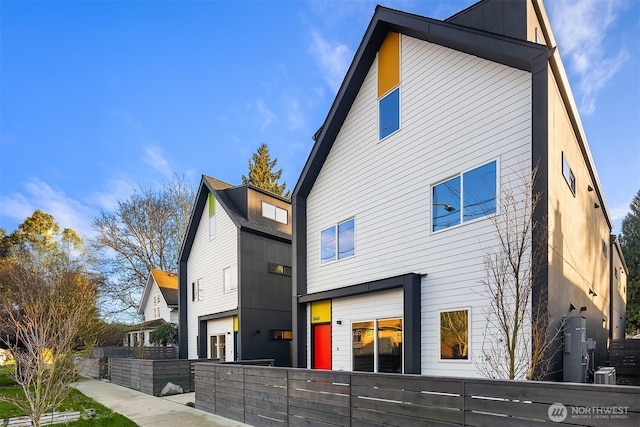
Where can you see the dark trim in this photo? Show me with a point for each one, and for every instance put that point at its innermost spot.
(183, 342)
(411, 285)
(299, 283)
(220, 315)
(363, 288)
(540, 159)
(202, 340)
(412, 324)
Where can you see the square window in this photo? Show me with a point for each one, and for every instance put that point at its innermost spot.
(337, 242)
(268, 211)
(454, 335)
(389, 113)
(281, 215)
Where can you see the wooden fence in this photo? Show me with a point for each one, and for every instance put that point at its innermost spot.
(624, 355)
(264, 396)
(150, 376)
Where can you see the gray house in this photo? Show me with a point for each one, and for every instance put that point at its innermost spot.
(235, 275)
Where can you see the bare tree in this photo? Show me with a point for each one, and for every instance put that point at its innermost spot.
(143, 233)
(518, 337)
(47, 301)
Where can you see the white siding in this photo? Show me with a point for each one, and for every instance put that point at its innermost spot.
(206, 261)
(165, 312)
(458, 112)
(380, 305)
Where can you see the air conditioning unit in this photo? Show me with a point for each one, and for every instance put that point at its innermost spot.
(605, 376)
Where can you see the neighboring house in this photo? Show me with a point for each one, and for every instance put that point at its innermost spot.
(160, 297)
(159, 304)
(235, 275)
(392, 210)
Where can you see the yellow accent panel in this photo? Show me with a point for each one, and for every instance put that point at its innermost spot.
(389, 64)
(321, 311)
(235, 323)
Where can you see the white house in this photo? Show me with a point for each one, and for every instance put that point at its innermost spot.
(393, 208)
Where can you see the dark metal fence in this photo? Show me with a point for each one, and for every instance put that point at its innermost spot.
(624, 355)
(268, 396)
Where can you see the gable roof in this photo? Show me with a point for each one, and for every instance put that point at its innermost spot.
(229, 197)
(509, 51)
(167, 282)
(515, 53)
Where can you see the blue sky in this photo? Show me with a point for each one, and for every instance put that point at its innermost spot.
(98, 98)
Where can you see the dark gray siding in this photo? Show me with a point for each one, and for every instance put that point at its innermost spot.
(264, 298)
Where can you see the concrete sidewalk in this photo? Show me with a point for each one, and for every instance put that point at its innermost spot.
(147, 410)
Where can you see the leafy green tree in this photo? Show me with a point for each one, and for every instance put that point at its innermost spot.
(262, 173)
(167, 333)
(630, 243)
(143, 233)
(47, 300)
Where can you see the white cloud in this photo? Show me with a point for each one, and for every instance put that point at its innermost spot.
(265, 114)
(116, 189)
(333, 58)
(582, 28)
(153, 156)
(295, 117)
(68, 212)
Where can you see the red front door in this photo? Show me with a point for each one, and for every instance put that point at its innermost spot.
(321, 346)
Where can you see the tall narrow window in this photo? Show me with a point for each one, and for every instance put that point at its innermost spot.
(389, 113)
(454, 334)
(389, 85)
(212, 216)
(156, 306)
(229, 282)
(569, 177)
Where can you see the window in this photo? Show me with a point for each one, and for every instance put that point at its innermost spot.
(156, 306)
(389, 113)
(454, 335)
(212, 216)
(342, 246)
(218, 347)
(274, 213)
(280, 335)
(465, 197)
(377, 346)
(196, 290)
(280, 269)
(605, 250)
(568, 174)
(228, 280)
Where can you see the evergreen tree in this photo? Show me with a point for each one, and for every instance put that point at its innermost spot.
(630, 243)
(262, 173)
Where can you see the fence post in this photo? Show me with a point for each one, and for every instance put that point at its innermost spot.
(464, 399)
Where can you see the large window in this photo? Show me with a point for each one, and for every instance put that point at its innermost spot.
(338, 241)
(569, 177)
(377, 346)
(465, 197)
(454, 334)
(389, 111)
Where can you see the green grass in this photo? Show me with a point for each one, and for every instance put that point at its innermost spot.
(75, 401)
